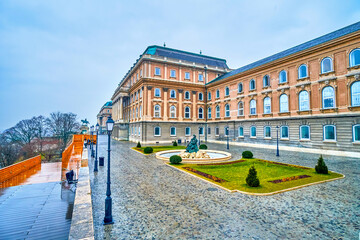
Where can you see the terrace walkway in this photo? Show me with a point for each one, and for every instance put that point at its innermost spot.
(154, 201)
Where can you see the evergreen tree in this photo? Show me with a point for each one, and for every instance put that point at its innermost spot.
(252, 180)
(321, 166)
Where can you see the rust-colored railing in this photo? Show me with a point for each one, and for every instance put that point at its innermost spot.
(13, 170)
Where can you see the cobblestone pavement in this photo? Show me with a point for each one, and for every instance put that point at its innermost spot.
(154, 201)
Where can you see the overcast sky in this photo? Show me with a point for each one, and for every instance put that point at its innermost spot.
(69, 56)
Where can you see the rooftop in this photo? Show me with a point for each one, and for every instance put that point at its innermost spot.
(304, 46)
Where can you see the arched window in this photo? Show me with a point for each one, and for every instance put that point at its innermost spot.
(227, 110)
(282, 77)
(172, 94)
(217, 93)
(266, 81)
(240, 87)
(201, 113)
(173, 112)
(354, 57)
(187, 131)
(302, 71)
(267, 132)
(173, 131)
(187, 112)
(157, 92)
(304, 101)
(253, 131)
(326, 65)
(209, 112)
(252, 107)
(240, 131)
(140, 111)
(157, 131)
(267, 105)
(356, 133)
(252, 84)
(157, 111)
(329, 133)
(227, 91)
(304, 132)
(328, 97)
(209, 95)
(217, 111)
(284, 103)
(240, 108)
(201, 97)
(284, 132)
(187, 95)
(355, 94)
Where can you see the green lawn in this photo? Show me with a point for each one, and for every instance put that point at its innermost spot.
(235, 175)
(159, 148)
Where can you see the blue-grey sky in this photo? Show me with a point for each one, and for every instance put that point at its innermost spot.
(69, 56)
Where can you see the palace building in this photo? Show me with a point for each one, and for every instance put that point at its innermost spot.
(309, 95)
(103, 115)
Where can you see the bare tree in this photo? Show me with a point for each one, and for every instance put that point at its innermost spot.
(41, 131)
(9, 152)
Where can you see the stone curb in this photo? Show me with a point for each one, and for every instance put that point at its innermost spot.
(256, 194)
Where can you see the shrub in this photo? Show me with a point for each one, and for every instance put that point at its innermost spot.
(175, 159)
(203, 146)
(148, 150)
(174, 143)
(247, 154)
(252, 180)
(138, 145)
(321, 166)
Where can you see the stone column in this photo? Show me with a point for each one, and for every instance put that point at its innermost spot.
(180, 104)
(194, 115)
(121, 113)
(149, 112)
(165, 118)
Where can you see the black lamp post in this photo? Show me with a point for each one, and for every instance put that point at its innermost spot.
(277, 141)
(108, 219)
(227, 144)
(91, 140)
(199, 136)
(96, 156)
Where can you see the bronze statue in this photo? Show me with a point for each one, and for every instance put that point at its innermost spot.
(192, 146)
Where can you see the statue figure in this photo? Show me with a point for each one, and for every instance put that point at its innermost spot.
(85, 122)
(192, 146)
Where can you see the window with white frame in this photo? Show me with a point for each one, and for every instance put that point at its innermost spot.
(217, 93)
(266, 81)
(201, 113)
(217, 132)
(253, 131)
(267, 105)
(201, 96)
(209, 95)
(157, 111)
(172, 93)
(157, 92)
(227, 110)
(201, 77)
(354, 57)
(217, 111)
(226, 131)
(329, 133)
(240, 131)
(355, 94)
(302, 71)
(157, 131)
(140, 111)
(252, 107)
(227, 91)
(173, 131)
(284, 132)
(267, 132)
(326, 65)
(328, 97)
(240, 87)
(201, 131)
(240, 108)
(209, 112)
(187, 131)
(284, 103)
(172, 73)
(356, 133)
(304, 132)
(187, 95)
(187, 112)
(252, 85)
(282, 77)
(157, 71)
(187, 75)
(173, 112)
(304, 103)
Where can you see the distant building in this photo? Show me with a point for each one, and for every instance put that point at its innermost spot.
(310, 94)
(103, 116)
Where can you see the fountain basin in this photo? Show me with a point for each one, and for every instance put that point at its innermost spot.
(214, 156)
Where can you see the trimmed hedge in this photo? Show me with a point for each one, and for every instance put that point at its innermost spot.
(321, 166)
(138, 145)
(148, 150)
(203, 146)
(252, 180)
(174, 143)
(175, 159)
(247, 154)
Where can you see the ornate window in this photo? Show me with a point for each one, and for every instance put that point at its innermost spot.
(209, 112)
(252, 85)
(173, 112)
(302, 71)
(304, 101)
(253, 131)
(172, 93)
(304, 132)
(267, 105)
(157, 71)
(240, 131)
(217, 93)
(157, 131)
(187, 112)
(326, 65)
(172, 73)
(354, 57)
(329, 133)
(240, 87)
(284, 103)
(282, 77)
(173, 131)
(227, 91)
(266, 81)
(217, 111)
(240, 108)
(201, 96)
(328, 97)
(355, 94)
(227, 110)
(252, 107)
(356, 133)
(187, 95)
(201, 113)
(157, 92)
(201, 77)
(187, 75)
(284, 132)
(157, 111)
(267, 132)
(187, 131)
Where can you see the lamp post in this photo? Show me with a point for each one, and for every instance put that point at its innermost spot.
(199, 136)
(108, 219)
(96, 156)
(91, 140)
(227, 133)
(277, 141)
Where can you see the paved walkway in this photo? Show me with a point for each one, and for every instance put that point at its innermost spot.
(154, 201)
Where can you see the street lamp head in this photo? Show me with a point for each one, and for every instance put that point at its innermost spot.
(109, 125)
(92, 128)
(97, 127)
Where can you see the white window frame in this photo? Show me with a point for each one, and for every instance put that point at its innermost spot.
(241, 109)
(217, 93)
(217, 111)
(242, 89)
(281, 103)
(353, 95)
(251, 132)
(252, 81)
(267, 106)
(241, 135)
(202, 113)
(322, 65)
(300, 132)
(171, 93)
(172, 111)
(157, 71)
(203, 132)
(186, 112)
(200, 77)
(185, 95)
(172, 135)
(209, 112)
(227, 91)
(267, 127)
(155, 111)
(173, 73)
(288, 133)
(323, 99)
(282, 71)
(307, 72)
(351, 61)
(324, 133)
(302, 100)
(254, 107)
(201, 96)
(266, 81)
(188, 134)
(187, 75)
(157, 95)
(157, 135)
(355, 126)
(227, 110)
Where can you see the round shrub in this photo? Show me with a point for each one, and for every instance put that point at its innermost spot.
(252, 180)
(148, 150)
(321, 166)
(175, 159)
(203, 146)
(174, 143)
(247, 154)
(138, 145)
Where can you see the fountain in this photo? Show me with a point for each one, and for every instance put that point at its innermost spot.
(192, 154)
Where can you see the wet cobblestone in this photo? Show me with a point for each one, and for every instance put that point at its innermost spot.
(154, 201)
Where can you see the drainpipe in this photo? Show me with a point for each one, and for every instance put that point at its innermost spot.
(206, 107)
